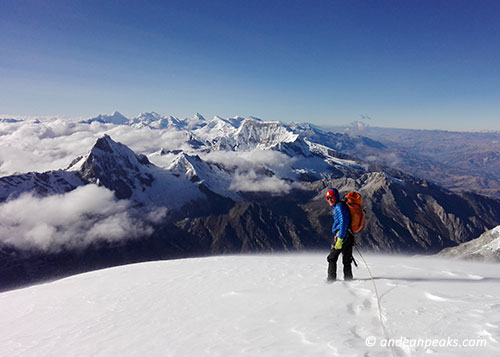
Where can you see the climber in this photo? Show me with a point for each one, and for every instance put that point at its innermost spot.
(343, 237)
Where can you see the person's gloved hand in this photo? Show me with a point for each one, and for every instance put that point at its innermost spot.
(335, 236)
(338, 243)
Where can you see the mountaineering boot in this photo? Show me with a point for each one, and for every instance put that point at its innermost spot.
(347, 272)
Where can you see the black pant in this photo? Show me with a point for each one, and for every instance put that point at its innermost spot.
(346, 258)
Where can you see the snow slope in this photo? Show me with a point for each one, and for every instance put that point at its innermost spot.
(262, 305)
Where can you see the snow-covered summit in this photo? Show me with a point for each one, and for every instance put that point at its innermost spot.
(115, 118)
(196, 122)
(156, 121)
(182, 165)
(263, 135)
(116, 167)
(198, 117)
(148, 117)
(253, 134)
(214, 176)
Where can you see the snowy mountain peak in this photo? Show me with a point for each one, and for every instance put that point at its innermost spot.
(253, 133)
(196, 122)
(105, 146)
(233, 122)
(212, 129)
(236, 121)
(147, 118)
(115, 118)
(184, 165)
(156, 121)
(198, 116)
(116, 167)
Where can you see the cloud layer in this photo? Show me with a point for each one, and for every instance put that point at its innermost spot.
(257, 170)
(250, 181)
(73, 220)
(52, 144)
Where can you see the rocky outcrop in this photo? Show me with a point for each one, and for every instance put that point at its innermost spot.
(484, 248)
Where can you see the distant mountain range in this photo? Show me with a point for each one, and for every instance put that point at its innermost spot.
(241, 185)
(459, 161)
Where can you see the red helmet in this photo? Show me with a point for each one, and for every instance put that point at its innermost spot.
(332, 194)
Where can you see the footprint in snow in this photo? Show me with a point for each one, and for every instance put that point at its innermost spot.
(356, 309)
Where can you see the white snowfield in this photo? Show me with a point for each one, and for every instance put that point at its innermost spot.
(259, 305)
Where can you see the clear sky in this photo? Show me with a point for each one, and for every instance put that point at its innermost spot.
(412, 64)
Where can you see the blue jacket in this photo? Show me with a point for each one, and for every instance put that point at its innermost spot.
(341, 219)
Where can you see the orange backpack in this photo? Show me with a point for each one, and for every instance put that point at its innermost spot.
(354, 202)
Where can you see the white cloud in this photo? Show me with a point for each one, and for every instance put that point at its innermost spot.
(42, 146)
(254, 170)
(146, 140)
(72, 220)
(279, 163)
(250, 181)
(390, 159)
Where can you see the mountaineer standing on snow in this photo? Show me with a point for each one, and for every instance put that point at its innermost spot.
(344, 239)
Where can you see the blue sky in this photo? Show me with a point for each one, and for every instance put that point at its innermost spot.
(411, 64)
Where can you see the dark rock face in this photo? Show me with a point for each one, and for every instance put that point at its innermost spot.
(247, 227)
(116, 167)
(401, 216)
